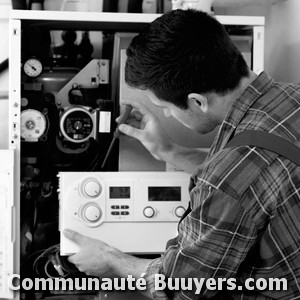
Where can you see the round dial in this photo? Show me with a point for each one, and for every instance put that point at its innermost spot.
(91, 188)
(92, 213)
(32, 67)
(149, 212)
(179, 211)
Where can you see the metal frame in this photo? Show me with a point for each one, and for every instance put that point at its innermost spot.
(15, 131)
(68, 16)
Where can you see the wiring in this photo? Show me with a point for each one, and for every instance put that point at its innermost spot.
(50, 263)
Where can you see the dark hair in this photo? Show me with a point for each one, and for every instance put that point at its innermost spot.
(184, 51)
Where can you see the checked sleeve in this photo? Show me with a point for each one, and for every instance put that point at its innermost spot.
(212, 241)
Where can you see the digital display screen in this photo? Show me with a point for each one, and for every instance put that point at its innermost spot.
(164, 193)
(119, 192)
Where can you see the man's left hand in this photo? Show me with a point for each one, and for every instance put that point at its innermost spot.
(94, 257)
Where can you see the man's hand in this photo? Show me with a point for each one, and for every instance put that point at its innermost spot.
(145, 127)
(94, 257)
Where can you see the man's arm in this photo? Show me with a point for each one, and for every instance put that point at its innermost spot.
(183, 158)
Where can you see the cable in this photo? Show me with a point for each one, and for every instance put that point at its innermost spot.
(53, 258)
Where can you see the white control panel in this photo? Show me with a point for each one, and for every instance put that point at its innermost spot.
(136, 212)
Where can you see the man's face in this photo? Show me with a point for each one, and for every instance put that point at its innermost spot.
(192, 117)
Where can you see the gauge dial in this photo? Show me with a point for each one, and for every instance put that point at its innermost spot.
(33, 67)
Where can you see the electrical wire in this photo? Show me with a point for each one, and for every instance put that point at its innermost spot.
(53, 258)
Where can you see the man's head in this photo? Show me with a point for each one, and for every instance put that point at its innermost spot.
(184, 52)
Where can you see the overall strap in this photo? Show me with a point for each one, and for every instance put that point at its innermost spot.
(268, 141)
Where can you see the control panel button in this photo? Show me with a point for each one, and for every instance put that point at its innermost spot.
(92, 213)
(124, 213)
(124, 207)
(115, 213)
(149, 212)
(115, 207)
(92, 188)
(179, 211)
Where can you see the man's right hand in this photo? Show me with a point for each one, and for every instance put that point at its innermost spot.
(144, 126)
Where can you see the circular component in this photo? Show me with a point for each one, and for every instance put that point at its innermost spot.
(92, 213)
(91, 188)
(179, 211)
(32, 67)
(149, 212)
(76, 124)
(33, 125)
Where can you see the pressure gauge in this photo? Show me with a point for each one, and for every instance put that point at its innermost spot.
(33, 67)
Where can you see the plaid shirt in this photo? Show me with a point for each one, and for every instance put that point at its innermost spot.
(245, 204)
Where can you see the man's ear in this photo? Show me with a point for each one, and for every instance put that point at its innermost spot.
(198, 101)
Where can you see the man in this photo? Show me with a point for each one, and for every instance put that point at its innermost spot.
(244, 220)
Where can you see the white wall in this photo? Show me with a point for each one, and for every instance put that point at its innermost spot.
(282, 35)
(283, 40)
(74, 5)
(5, 7)
(243, 10)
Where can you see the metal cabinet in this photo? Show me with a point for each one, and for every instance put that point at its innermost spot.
(30, 156)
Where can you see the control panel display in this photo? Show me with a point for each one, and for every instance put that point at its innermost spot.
(164, 193)
(119, 192)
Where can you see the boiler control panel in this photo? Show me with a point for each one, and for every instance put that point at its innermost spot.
(136, 212)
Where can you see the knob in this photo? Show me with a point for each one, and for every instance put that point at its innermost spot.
(92, 213)
(92, 188)
(179, 211)
(149, 212)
